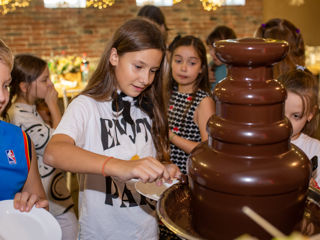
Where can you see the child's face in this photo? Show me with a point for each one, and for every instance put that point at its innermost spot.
(135, 71)
(294, 111)
(186, 66)
(39, 87)
(5, 79)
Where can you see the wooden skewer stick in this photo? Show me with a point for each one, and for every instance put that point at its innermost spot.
(262, 222)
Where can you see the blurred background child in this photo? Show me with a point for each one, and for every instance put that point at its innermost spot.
(155, 14)
(217, 69)
(283, 29)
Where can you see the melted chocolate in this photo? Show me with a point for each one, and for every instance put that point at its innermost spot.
(248, 159)
(174, 209)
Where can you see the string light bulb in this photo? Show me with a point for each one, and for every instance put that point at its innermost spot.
(7, 6)
(296, 2)
(100, 4)
(211, 5)
(176, 1)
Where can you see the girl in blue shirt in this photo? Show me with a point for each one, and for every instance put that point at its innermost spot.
(19, 176)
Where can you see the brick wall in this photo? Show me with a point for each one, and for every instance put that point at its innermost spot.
(43, 32)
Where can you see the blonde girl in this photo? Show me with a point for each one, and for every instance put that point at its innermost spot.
(301, 108)
(19, 176)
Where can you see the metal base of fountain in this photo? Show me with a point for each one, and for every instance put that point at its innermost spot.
(174, 210)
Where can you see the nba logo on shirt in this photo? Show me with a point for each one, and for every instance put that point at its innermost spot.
(11, 157)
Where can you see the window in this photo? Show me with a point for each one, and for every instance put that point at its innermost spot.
(64, 3)
(170, 2)
(235, 2)
(154, 2)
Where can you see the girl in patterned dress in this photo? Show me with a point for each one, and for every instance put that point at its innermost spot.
(31, 82)
(190, 104)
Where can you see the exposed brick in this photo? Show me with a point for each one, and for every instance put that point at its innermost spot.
(49, 31)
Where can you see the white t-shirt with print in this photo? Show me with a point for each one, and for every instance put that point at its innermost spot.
(311, 147)
(109, 209)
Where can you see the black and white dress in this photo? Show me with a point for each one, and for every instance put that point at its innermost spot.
(182, 123)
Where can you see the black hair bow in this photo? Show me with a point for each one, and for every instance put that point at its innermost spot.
(119, 104)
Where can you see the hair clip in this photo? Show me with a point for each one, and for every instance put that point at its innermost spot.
(298, 30)
(263, 25)
(299, 67)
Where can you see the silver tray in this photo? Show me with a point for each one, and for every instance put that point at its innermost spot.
(173, 209)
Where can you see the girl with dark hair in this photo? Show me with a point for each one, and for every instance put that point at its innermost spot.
(282, 29)
(116, 130)
(155, 14)
(218, 70)
(30, 83)
(191, 103)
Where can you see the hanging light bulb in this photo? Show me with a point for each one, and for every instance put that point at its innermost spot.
(211, 5)
(296, 2)
(176, 1)
(100, 4)
(11, 5)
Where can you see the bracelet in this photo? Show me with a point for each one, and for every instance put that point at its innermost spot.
(171, 137)
(104, 164)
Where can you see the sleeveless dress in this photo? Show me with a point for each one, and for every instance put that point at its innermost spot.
(182, 124)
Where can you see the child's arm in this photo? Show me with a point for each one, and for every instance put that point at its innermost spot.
(32, 192)
(202, 114)
(61, 152)
(204, 111)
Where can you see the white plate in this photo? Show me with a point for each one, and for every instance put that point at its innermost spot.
(152, 190)
(38, 224)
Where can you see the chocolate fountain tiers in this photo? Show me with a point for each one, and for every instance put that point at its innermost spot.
(248, 159)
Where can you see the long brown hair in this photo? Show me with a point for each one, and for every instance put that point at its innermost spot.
(304, 84)
(135, 35)
(283, 29)
(26, 68)
(202, 81)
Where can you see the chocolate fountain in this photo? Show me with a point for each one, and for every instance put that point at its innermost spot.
(248, 159)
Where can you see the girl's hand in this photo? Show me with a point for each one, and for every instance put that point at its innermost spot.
(24, 201)
(146, 169)
(173, 170)
(174, 173)
(51, 96)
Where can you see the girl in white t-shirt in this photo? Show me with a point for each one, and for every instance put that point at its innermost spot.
(116, 130)
(301, 108)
